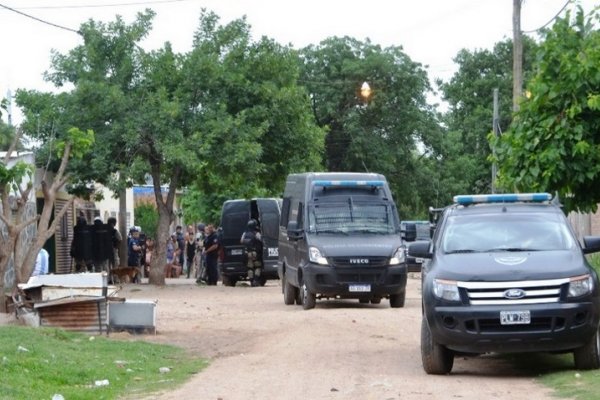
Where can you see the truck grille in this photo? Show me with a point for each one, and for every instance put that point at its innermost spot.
(513, 293)
(360, 261)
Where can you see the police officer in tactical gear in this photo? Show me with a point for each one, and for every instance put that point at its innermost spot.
(252, 241)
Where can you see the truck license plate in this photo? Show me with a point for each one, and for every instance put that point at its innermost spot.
(359, 288)
(237, 252)
(515, 317)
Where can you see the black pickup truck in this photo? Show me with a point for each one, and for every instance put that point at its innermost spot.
(506, 274)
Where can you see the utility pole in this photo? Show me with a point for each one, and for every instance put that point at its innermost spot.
(9, 106)
(517, 55)
(496, 130)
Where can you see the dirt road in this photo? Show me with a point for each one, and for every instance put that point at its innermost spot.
(262, 349)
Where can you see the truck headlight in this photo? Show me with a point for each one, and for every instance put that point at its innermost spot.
(315, 256)
(399, 256)
(581, 285)
(446, 290)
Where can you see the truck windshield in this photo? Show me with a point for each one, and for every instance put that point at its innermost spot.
(510, 233)
(350, 217)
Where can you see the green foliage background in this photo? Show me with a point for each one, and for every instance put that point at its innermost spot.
(146, 217)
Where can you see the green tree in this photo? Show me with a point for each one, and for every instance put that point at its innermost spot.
(227, 116)
(464, 152)
(254, 123)
(385, 132)
(16, 185)
(130, 98)
(554, 144)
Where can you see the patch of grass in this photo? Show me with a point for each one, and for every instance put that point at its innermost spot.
(38, 363)
(573, 384)
(558, 372)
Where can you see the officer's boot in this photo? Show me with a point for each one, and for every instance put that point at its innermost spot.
(251, 276)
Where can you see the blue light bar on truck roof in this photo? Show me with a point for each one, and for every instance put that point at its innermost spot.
(502, 198)
(349, 183)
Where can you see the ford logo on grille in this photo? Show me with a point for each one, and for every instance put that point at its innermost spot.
(359, 261)
(514, 294)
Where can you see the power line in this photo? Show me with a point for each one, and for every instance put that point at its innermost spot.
(40, 20)
(553, 18)
(132, 3)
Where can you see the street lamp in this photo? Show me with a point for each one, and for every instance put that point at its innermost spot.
(365, 91)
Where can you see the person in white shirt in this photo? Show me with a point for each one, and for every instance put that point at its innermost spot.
(41, 263)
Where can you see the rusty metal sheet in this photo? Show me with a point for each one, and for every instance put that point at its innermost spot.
(81, 314)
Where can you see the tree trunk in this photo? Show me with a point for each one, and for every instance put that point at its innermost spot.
(123, 227)
(159, 257)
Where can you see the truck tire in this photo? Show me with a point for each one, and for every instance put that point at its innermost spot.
(588, 356)
(290, 292)
(309, 300)
(397, 300)
(437, 359)
(228, 281)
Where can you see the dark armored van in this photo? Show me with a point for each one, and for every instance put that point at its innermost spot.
(506, 274)
(422, 231)
(235, 215)
(340, 237)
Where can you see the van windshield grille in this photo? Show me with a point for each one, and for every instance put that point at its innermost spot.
(352, 217)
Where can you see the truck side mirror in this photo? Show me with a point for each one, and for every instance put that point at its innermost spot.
(293, 232)
(410, 232)
(591, 244)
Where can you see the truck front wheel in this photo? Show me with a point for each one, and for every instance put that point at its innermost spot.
(437, 359)
(309, 300)
(290, 292)
(397, 300)
(588, 356)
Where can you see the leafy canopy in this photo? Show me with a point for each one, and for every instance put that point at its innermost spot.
(554, 142)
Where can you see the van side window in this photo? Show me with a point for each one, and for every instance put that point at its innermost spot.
(285, 212)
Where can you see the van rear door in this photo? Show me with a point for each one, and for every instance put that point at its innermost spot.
(269, 222)
(234, 218)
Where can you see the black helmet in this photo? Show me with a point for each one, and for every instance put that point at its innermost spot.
(252, 224)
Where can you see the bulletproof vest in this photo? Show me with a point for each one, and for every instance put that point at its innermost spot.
(102, 246)
(82, 242)
(251, 242)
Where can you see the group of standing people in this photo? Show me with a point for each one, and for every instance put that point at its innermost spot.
(193, 250)
(95, 248)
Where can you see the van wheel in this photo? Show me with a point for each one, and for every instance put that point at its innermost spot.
(588, 356)
(289, 292)
(437, 359)
(299, 296)
(309, 300)
(397, 300)
(228, 281)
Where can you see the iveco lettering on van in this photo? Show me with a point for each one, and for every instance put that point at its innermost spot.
(340, 237)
